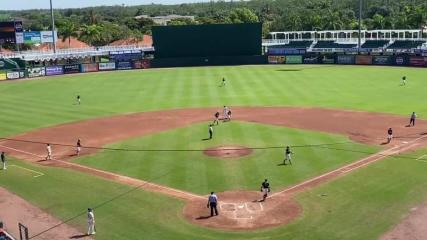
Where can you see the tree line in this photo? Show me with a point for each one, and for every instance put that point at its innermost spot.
(102, 25)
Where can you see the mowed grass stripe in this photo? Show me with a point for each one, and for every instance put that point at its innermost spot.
(220, 174)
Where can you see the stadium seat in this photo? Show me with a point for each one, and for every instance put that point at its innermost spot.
(406, 44)
(332, 44)
(304, 44)
(375, 43)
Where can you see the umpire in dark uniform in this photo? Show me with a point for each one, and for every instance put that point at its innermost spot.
(212, 203)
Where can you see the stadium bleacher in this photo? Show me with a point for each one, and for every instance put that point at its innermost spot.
(406, 44)
(304, 44)
(332, 44)
(375, 43)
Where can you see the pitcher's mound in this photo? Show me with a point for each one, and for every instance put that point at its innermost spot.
(242, 210)
(228, 151)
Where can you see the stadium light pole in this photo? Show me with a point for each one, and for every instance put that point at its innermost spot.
(53, 27)
(359, 40)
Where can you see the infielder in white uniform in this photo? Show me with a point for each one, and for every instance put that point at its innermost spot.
(90, 222)
(49, 152)
(225, 113)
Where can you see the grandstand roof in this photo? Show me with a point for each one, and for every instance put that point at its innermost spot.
(147, 41)
(74, 43)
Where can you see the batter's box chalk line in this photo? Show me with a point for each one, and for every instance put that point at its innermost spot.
(242, 211)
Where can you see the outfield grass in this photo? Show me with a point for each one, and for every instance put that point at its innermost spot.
(33, 104)
(196, 172)
(361, 205)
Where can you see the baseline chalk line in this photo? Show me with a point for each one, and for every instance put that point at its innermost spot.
(39, 174)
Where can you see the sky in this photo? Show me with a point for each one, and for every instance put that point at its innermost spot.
(37, 4)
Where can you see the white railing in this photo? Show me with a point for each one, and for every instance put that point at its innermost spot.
(267, 42)
(72, 52)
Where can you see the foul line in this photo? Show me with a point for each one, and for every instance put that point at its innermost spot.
(21, 151)
(147, 186)
(39, 174)
(419, 159)
(353, 166)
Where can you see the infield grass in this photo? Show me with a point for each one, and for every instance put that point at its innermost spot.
(360, 205)
(28, 105)
(195, 172)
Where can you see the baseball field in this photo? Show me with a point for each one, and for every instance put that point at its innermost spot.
(147, 164)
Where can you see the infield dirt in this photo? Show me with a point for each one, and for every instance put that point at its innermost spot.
(239, 210)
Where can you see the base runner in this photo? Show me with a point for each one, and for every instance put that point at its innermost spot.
(265, 189)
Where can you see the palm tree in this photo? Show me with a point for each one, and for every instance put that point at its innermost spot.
(68, 30)
(91, 34)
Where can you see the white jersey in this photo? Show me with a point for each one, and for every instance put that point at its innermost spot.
(90, 217)
(49, 150)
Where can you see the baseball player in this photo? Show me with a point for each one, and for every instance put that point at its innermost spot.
(49, 152)
(229, 115)
(3, 160)
(412, 120)
(288, 156)
(403, 80)
(390, 135)
(212, 203)
(90, 222)
(216, 118)
(210, 131)
(78, 147)
(78, 99)
(265, 189)
(223, 82)
(225, 113)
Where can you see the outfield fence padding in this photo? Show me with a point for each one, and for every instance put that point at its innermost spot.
(36, 72)
(54, 70)
(89, 67)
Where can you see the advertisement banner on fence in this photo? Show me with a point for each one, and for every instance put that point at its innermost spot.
(107, 66)
(146, 63)
(328, 59)
(276, 59)
(46, 36)
(311, 59)
(73, 68)
(294, 59)
(381, 60)
(345, 59)
(401, 60)
(124, 65)
(54, 70)
(32, 38)
(36, 72)
(3, 76)
(418, 61)
(137, 64)
(90, 67)
(363, 60)
(285, 51)
(15, 75)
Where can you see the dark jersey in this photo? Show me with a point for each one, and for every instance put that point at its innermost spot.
(265, 185)
(390, 132)
(3, 158)
(288, 151)
(217, 114)
(79, 144)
